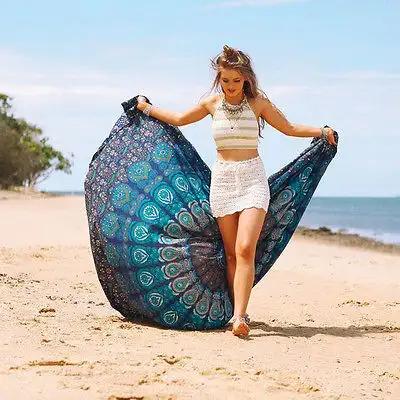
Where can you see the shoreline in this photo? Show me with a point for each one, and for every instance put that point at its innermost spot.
(326, 235)
(323, 233)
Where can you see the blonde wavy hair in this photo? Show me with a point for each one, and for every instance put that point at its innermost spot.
(231, 58)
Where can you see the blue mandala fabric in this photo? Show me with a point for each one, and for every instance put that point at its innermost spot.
(157, 249)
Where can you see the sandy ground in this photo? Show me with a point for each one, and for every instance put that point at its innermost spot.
(325, 323)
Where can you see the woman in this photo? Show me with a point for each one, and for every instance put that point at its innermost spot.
(239, 192)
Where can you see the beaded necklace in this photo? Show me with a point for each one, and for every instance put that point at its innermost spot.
(233, 111)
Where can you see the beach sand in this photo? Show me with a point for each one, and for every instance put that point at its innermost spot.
(325, 321)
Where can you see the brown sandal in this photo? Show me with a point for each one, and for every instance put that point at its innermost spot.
(246, 317)
(240, 327)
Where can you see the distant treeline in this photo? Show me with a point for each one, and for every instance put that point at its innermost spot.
(26, 158)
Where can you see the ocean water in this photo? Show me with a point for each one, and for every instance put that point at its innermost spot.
(372, 217)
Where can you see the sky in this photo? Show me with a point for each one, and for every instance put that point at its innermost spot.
(68, 66)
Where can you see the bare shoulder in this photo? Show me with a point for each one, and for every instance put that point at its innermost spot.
(257, 104)
(210, 103)
(260, 100)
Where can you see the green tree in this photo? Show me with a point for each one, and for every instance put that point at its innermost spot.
(26, 158)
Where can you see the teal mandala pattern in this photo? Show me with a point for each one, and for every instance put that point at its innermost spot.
(157, 249)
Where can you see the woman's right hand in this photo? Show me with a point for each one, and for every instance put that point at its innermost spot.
(141, 103)
(330, 136)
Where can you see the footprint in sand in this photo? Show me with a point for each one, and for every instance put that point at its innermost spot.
(355, 302)
(393, 304)
(46, 310)
(218, 371)
(47, 363)
(114, 397)
(172, 359)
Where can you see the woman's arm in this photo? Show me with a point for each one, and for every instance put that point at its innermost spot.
(194, 114)
(277, 119)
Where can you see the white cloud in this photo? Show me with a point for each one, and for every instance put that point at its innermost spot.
(363, 75)
(32, 80)
(40, 90)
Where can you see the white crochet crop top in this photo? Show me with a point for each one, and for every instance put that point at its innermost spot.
(237, 131)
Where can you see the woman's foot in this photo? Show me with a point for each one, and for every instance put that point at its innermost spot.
(246, 317)
(240, 327)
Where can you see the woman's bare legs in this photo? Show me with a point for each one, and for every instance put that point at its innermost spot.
(240, 232)
(249, 228)
(228, 225)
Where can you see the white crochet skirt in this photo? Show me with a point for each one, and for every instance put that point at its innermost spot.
(236, 185)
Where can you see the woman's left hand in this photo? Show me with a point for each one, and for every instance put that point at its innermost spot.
(141, 103)
(330, 136)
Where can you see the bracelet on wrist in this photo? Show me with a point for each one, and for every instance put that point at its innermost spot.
(147, 109)
(324, 133)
